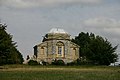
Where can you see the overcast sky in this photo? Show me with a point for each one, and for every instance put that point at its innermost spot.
(29, 20)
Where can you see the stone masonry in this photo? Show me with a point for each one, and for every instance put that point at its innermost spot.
(56, 45)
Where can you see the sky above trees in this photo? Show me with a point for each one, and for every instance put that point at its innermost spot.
(29, 20)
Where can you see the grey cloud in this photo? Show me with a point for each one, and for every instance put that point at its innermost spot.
(104, 26)
(39, 3)
(102, 22)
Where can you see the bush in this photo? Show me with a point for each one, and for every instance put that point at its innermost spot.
(75, 62)
(32, 62)
(58, 62)
(45, 63)
(72, 63)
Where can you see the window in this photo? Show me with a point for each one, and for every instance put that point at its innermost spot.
(59, 50)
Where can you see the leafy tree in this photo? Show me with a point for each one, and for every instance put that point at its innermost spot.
(95, 49)
(8, 51)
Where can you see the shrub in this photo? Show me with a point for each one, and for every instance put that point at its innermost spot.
(76, 62)
(72, 63)
(58, 62)
(45, 63)
(32, 62)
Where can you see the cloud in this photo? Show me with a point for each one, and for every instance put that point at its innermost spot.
(102, 22)
(108, 27)
(41, 3)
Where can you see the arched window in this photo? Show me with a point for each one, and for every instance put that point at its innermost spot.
(60, 49)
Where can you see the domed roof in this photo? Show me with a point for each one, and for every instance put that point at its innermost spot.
(57, 30)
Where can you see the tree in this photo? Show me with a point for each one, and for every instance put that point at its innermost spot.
(95, 49)
(8, 51)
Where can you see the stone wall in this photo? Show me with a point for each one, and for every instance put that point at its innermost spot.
(48, 49)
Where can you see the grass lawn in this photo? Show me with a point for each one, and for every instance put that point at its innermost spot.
(24, 72)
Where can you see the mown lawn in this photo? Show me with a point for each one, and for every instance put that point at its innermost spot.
(22, 72)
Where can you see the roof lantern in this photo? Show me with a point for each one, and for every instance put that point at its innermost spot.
(57, 30)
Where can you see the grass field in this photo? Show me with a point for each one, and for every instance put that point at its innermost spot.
(24, 72)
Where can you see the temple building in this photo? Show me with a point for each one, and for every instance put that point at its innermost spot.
(56, 45)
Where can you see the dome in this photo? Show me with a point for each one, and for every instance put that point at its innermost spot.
(57, 30)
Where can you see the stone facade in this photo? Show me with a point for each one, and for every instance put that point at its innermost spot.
(56, 45)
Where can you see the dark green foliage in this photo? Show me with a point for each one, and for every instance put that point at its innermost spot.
(8, 51)
(58, 62)
(95, 49)
(32, 62)
(45, 63)
(73, 63)
(79, 62)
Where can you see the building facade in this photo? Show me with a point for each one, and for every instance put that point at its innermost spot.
(56, 45)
